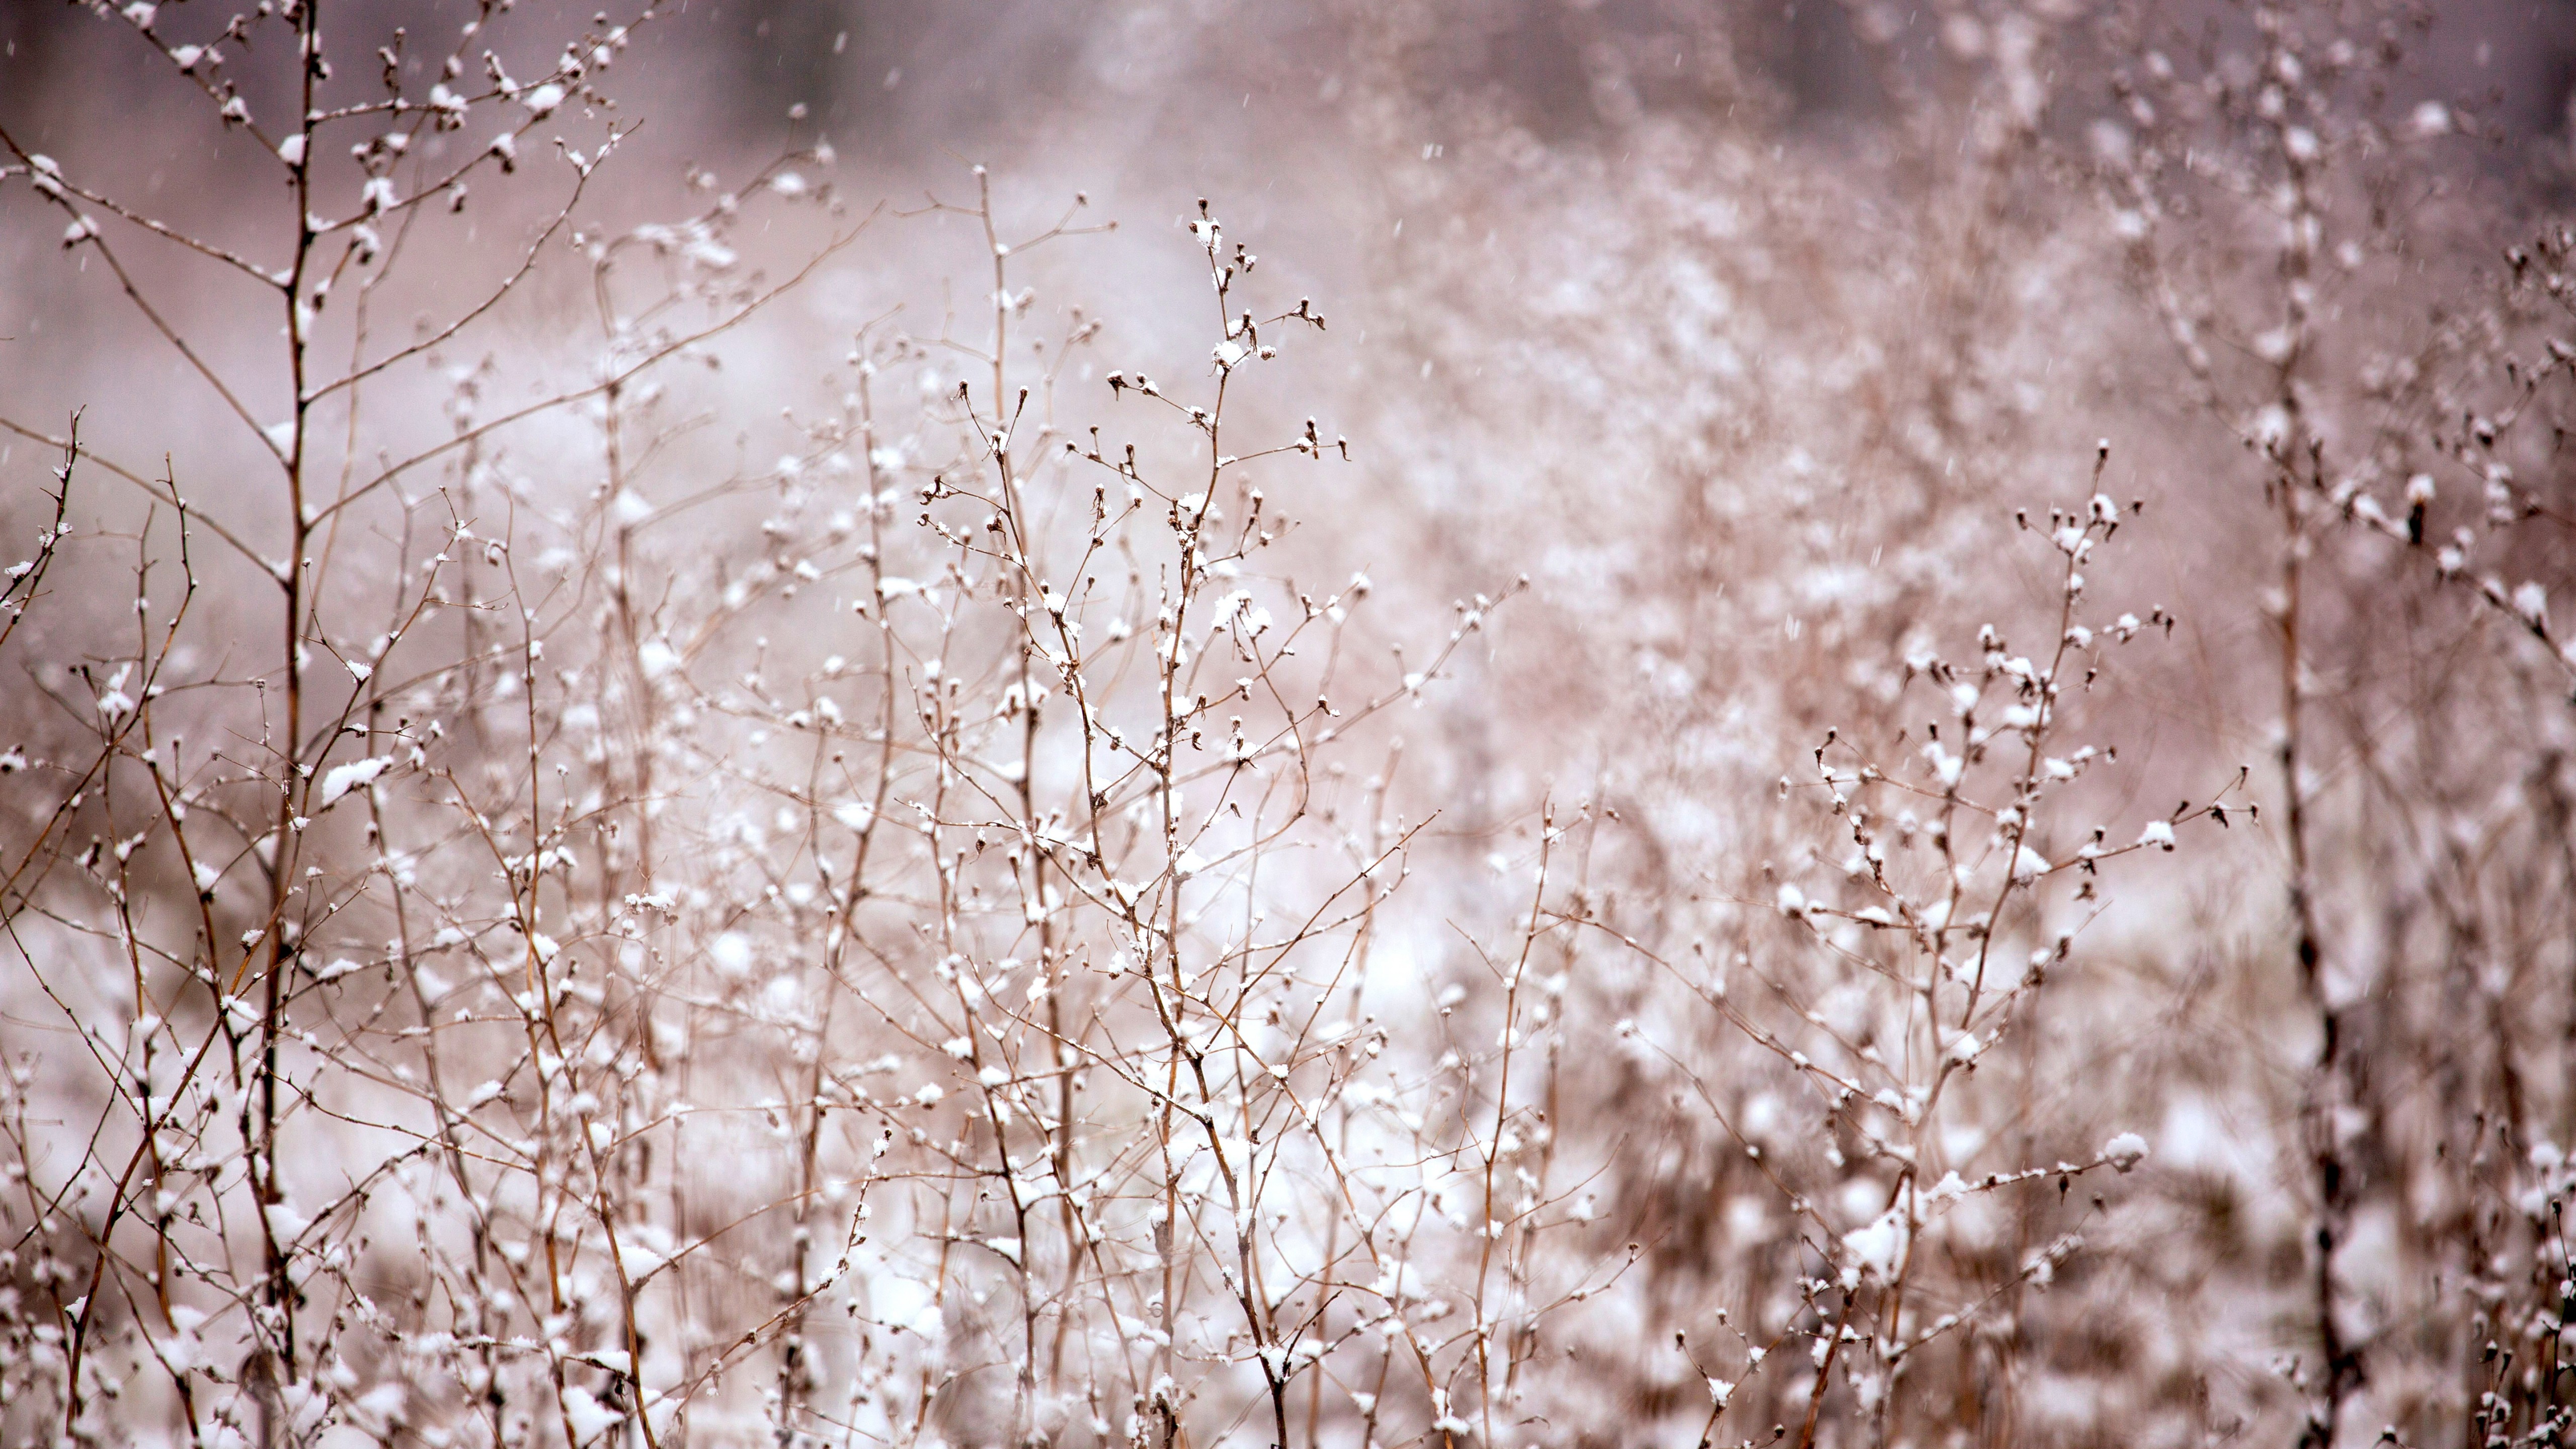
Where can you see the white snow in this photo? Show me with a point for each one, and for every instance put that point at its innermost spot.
(588, 1416)
(341, 779)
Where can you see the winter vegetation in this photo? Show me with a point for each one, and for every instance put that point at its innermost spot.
(1601, 723)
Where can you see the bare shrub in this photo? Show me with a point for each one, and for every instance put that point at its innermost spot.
(693, 843)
